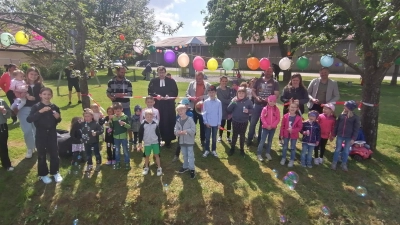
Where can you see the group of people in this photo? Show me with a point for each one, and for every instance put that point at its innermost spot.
(158, 123)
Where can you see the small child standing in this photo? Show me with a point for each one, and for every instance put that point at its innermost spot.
(97, 114)
(290, 127)
(311, 137)
(212, 116)
(5, 113)
(135, 124)
(20, 89)
(76, 136)
(149, 133)
(270, 118)
(346, 129)
(149, 100)
(189, 113)
(240, 107)
(120, 125)
(109, 139)
(90, 135)
(185, 129)
(326, 122)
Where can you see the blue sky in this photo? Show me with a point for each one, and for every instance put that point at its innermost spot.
(186, 11)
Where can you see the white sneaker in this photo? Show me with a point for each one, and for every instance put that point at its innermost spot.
(206, 154)
(219, 139)
(283, 161)
(159, 171)
(215, 154)
(9, 169)
(145, 171)
(291, 162)
(46, 179)
(58, 178)
(229, 140)
(268, 156)
(29, 154)
(321, 160)
(260, 158)
(316, 161)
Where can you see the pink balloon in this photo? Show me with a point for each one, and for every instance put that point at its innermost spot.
(199, 63)
(38, 37)
(265, 63)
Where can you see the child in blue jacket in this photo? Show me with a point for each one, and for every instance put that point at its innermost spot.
(311, 137)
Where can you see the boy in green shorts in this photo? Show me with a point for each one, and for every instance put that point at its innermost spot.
(149, 133)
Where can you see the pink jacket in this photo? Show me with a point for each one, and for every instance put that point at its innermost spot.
(296, 127)
(270, 116)
(327, 125)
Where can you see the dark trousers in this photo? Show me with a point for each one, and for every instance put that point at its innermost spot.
(110, 151)
(178, 149)
(317, 108)
(320, 148)
(239, 129)
(5, 159)
(229, 126)
(135, 137)
(46, 143)
(199, 117)
(90, 149)
(11, 96)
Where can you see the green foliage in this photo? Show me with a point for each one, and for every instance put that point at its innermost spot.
(24, 66)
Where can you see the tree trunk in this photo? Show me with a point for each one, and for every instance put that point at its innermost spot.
(110, 72)
(395, 74)
(286, 76)
(80, 62)
(283, 48)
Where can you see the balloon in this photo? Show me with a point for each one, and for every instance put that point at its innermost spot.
(285, 63)
(199, 107)
(265, 63)
(151, 48)
(169, 56)
(183, 60)
(253, 63)
(198, 63)
(122, 37)
(138, 46)
(228, 64)
(212, 64)
(326, 60)
(302, 63)
(21, 37)
(396, 62)
(7, 39)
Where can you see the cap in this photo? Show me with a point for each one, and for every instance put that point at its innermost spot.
(272, 98)
(185, 101)
(71, 63)
(212, 88)
(330, 105)
(313, 113)
(138, 107)
(351, 105)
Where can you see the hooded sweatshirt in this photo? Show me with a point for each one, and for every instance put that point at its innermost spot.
(236, 108)
(270, 116)
(87, 128)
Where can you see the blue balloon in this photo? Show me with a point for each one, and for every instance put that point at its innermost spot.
(326, 60)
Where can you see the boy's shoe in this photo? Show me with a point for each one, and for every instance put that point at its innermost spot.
(127, 166)
(290, 164)
(58, 178)
(316, 161)
(109, 162)
(192, 174)
(215, 154)
(9, 169)
(268, 156)
(175, 158)
(98, 167)
(206, 153)
(113, 162)
(219, 139)
(344, 167)
(229, 139)
(260, 158)
(303, 165)
(29, 154)
(232, 151)
(145, 171)
(333, 166)
(182, 170)
(89, 168)
(159, 171)
(117, 165)
(309, 166)
(242, 153)
(46, 179)
(283, 161)
(321, 160)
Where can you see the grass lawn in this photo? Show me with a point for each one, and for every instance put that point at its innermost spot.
(228, 190)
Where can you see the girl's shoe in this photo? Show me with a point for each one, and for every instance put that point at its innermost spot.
(283, 161)
(58, 178)
(109, 162)
(89, 168)
(268, 156)
(291, 162)
(260, 158)
(344, 167)
(9, 169)
(321, 160)
(46, 179)
(316, 161)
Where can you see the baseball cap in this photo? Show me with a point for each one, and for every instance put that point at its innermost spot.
(185, 101)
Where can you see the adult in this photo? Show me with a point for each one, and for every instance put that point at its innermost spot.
(5, 82)
(73, 81)
(119, 89)
(5, 113)
(224, 95)
(322, 90)
(35, 83)
(277, 70)
(147, 71)
(164, 90)
(294, 91)
(198, 91)
(262, 88)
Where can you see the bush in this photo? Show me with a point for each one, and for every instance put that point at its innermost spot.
(24, 66)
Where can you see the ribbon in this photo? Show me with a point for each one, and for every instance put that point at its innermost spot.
(90, 96)
(221, 128)
(360, 103)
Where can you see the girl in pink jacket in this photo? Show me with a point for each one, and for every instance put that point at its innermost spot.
(290, 127)
(270, 117)
(326, 121)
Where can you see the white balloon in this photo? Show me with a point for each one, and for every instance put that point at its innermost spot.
(285, 63)
(138, 46)
(183, 60)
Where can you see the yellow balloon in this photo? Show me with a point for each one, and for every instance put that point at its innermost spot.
(21, 37)
(212, 64)
(183, 60)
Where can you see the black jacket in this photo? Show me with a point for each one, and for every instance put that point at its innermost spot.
(87, 129)
(46, 120)
(76, 133)
(35, 93)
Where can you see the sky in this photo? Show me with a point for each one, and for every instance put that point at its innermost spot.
(187, 11)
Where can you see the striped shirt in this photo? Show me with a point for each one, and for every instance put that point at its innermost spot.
(115, 86)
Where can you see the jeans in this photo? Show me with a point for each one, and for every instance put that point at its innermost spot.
(306, 151)
(346, 149)
(188, 156)
(199, 117)
(211, 131)
(292, 148)
(266, 133)
(255, 117)
(90, 149)
(117, 144)
(28, 129)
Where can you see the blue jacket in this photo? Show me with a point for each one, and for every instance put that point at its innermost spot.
(315, 132)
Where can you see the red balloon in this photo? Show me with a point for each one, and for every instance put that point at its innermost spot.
(265, 63)
(122, 37)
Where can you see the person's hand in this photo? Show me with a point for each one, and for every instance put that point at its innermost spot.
(93, 133)
(2, 109)
(192, 98)
(56, 115)
(200, 98)
(219, 127)
(245, 110)
(45, 109)
(269, 127)
(139, 148)
(234, 99)
(166, 97)
(207, 125)
(289, 130)
(31, 98)
(352, 142)
(315, 101)
(122, 123)
(112, 98)
(158, 97)
(184, 132)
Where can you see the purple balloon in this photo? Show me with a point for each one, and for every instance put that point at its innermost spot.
(169, 56)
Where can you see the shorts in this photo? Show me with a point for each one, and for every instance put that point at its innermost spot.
(154, 147)
(75, 84)
(78, 147)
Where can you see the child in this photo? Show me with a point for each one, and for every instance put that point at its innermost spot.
(185, 129)
(149, 133)
(5, 113)
(109, 139)
(326, 122)
(189, 112)
(224, 95)
(270, 118)
(240, 107)
(76, 137)
(311, 137)
(97, 114)
(20, 89)
(135, 124)
(149, 100)
(120, 125)
(346, 129)
(169, 75)
(45, 115)
(91, 130)
(290, 128)
(212, 116)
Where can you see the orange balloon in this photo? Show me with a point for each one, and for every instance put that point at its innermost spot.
(289, 53)
(253, 63)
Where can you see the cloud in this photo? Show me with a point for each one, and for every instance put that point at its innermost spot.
(179, 1)
(196, 23)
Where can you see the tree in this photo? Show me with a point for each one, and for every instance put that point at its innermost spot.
(394, 75)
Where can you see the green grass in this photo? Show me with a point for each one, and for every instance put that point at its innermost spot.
(228, 190)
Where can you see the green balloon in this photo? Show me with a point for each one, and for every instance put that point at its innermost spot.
(397, 61)
(302, 62)
(228, 64)
(151, 48)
